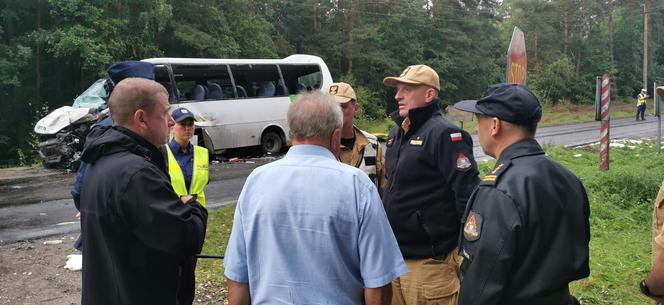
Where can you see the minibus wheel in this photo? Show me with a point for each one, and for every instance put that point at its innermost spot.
(272, 143)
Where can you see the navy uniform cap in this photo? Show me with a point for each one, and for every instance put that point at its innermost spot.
(131, 68)
(513, 103)
(182, 114)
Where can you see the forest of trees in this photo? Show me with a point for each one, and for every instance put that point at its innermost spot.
(51, 50)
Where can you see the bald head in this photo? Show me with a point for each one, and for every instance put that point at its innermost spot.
(132, 94)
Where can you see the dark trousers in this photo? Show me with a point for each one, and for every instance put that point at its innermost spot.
(640, 110)
(187, 285)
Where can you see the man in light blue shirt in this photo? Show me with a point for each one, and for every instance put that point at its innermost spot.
(309, 229)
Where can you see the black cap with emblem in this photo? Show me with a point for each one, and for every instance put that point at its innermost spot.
(513, 103)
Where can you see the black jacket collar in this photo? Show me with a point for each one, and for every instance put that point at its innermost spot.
(110, 140)
(418, 115)
(526, 147)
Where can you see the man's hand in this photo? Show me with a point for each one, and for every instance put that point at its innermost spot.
(78, 216)
(186, 198)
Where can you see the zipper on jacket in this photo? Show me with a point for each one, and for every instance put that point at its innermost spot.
(396, 163)
(425, 227)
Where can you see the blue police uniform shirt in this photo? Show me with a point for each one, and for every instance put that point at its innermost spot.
(184, 159)
(80, 174)
(311, 230)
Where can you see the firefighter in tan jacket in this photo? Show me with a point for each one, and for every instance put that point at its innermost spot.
(358, 148)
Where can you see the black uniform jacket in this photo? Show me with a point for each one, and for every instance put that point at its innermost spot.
(525, 233)
(431, 173)
(135, 230)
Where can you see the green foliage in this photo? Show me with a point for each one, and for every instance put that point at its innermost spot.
(621, 207)
(555, 82)
(372, 107)
(50, 50)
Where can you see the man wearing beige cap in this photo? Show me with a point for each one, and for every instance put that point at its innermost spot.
(431, 173)
(358, 148)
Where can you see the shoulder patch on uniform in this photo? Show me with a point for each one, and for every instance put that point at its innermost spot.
(492, 177)
(473, 227)
(390, 141)
(462, 162)
(456, 136)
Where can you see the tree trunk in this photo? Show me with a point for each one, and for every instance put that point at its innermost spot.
(610, 28)
(566, 30)
(315, 15)
(578, 63)
(38, 57)
(349, 30)
(646, 34)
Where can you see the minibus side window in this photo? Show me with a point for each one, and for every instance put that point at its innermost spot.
(301, 77)
(197, 83)
(258, 80)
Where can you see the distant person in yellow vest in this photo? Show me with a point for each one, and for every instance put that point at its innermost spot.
(358, 148)
(641, 104)
(188, 168)
(187, 163)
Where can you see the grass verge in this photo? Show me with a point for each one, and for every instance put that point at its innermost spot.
(621, 206)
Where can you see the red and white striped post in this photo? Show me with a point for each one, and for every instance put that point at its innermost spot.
(604, 130)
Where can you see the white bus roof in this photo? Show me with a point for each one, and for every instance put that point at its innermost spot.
(293, 59)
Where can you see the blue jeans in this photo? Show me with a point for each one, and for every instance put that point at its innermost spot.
(640, 109)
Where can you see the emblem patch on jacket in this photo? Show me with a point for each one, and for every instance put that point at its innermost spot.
(473, 227)
(456, 137)
(462, 162)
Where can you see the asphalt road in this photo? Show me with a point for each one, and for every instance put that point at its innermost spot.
(54, 217)
(584, 133)
(46, 217)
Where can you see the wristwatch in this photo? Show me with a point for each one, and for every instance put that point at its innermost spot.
(646, 291)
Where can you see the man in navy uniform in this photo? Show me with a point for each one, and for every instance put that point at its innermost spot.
(525, 231)
(431, 173)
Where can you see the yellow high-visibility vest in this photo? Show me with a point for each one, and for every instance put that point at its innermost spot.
(641, 99)
(199, 178)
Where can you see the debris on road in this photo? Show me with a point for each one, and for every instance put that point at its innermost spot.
(53, 242)
(74, 262)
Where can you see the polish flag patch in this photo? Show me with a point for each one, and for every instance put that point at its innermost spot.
(455, 136)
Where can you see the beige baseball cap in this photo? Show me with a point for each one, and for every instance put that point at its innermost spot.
(343, 92)
(415, 75)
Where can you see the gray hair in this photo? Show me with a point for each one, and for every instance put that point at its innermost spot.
(314, 115)
(132, 94)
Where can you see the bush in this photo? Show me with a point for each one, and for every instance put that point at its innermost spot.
(372, 106)
(555, 82)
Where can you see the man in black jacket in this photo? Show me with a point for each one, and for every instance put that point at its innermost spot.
(526, 230)
(431, 173)
(135, 229)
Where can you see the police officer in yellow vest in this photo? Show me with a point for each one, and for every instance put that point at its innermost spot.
(641, 104)
(187, 163)
(358, 148)
(188, 168)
